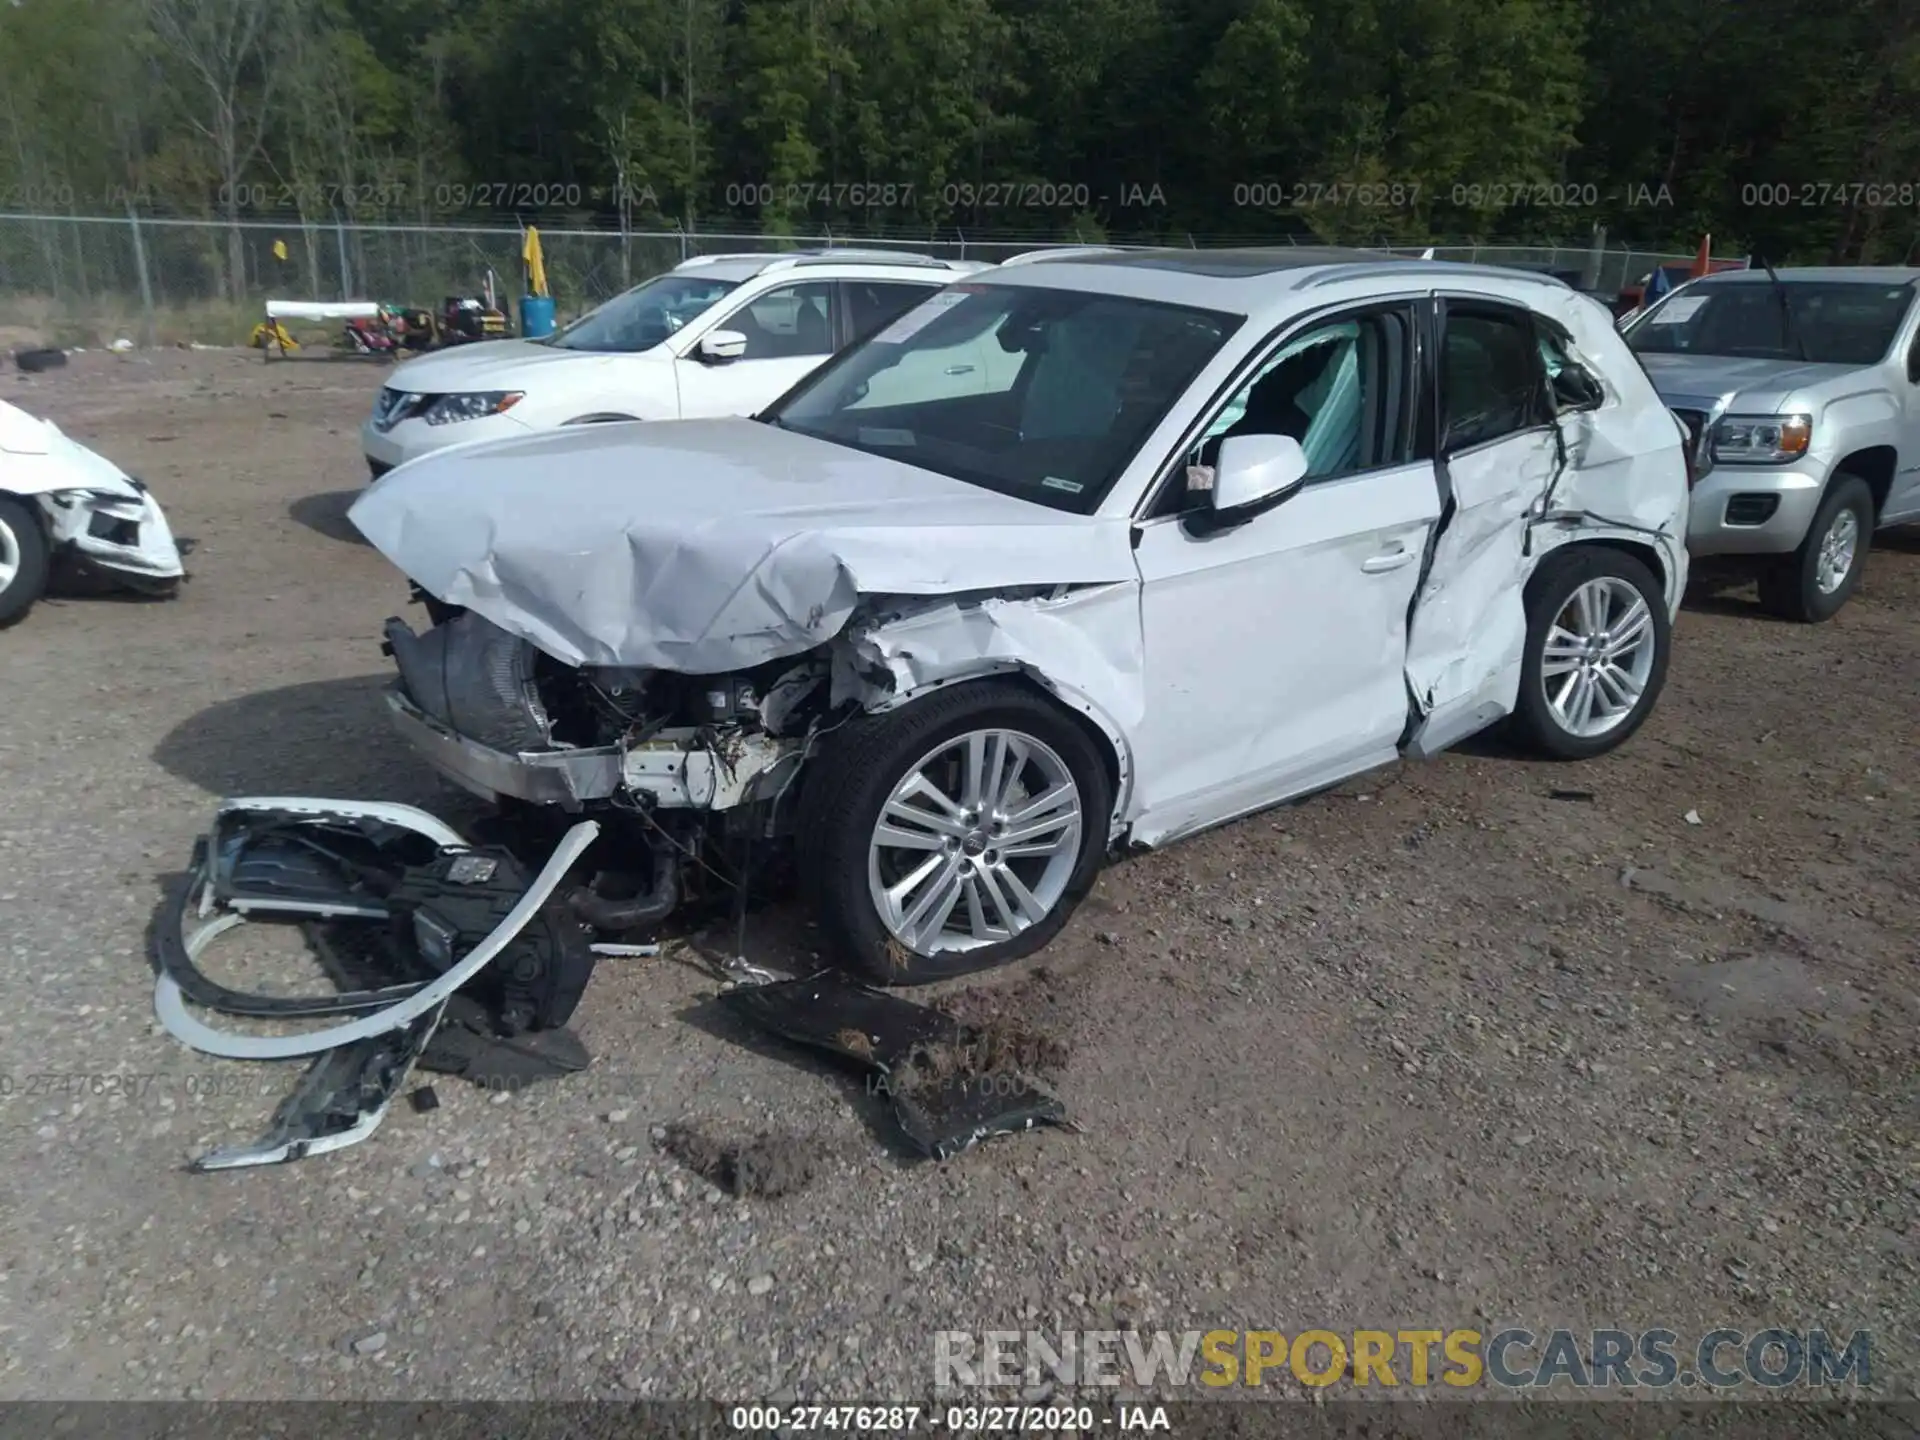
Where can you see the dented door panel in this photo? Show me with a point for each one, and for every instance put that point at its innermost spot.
(1470, 626)
(1274, 652)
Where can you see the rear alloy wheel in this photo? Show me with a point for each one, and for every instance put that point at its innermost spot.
(956, 834)
(1812, 584)
(1596, 658)
(23, 559)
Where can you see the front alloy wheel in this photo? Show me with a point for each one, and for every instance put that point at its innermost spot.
(953, 834)
(976, 843)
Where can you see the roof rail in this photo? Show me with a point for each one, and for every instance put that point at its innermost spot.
(730, 255)
(1062, 252)
(833, 255)
(1399, 264)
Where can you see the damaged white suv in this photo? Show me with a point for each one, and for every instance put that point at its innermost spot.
(1229, 528)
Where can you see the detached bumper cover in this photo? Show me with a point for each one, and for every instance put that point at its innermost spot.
(257, 859)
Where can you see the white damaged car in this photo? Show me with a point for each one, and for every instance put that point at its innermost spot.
(1233, 526)
(61, 503)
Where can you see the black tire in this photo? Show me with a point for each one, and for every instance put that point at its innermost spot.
(34, 362)
(1534, 723)
(850, 782)
(1790, 586)
(23, 540)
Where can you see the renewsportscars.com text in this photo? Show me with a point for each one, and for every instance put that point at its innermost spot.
(1456, 1359)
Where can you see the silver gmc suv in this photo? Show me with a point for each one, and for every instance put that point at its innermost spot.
(1802, 392)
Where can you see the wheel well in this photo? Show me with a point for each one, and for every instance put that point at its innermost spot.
(1645, 554)
(1875, 465)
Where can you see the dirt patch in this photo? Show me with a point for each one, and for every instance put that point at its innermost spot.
(763, 1168)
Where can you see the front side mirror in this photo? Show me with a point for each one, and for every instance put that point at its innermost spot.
(1913, 363)
(719, 346)
(1252, 474)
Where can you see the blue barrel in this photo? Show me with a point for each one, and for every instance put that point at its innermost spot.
(536, 315)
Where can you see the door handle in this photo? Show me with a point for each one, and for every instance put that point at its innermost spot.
(1388, 560)
(959, 369)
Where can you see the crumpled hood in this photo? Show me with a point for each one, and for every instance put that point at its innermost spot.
(1760, 386)
(704, 546)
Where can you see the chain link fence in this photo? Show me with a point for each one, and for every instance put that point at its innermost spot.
(91, 280)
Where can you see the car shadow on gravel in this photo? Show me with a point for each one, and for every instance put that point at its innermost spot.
(326, 514)
(323, 737)
(1902, 539)
(874, 1107)
(1713, 591)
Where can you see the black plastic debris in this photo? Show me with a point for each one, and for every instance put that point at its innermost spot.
(423, 1100)
(953, 1114)
(391, 902)
(1570, 795)
(830, 1012)
(338, 1102)
(951, 1085)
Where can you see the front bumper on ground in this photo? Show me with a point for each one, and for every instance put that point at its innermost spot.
(1751, 510)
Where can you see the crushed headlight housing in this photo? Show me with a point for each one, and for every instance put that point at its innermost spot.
(112, 501)
(473, 405)
(1761, 439)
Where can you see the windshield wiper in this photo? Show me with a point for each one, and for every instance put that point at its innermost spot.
(1789, 330)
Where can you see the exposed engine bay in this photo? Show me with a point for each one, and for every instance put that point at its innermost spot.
(690, 773)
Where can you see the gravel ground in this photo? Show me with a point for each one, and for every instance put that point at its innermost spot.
(1440, 1048)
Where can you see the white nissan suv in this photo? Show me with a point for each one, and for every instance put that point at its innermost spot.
(716, 335)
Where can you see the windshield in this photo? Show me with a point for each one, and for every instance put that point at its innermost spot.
(1040, 393)
(1846, 322)
(644, 316)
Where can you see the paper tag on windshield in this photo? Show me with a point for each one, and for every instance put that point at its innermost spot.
(921, 316)
(1678, 312)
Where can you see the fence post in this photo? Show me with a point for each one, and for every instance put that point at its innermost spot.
(146, 285)
(1596, 257)
(340, 239)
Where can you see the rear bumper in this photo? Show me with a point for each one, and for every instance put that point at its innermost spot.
(568, 778)
(1749, 510)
